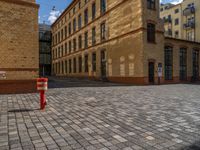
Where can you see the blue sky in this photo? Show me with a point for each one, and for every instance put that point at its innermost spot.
(48, 15)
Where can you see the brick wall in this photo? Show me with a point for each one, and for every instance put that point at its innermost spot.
(19, 48)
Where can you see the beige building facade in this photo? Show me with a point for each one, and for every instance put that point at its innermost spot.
(120, 41)
(19, 49)
(182, 20)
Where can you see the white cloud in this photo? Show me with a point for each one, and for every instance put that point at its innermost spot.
(171, 1)
(39, 19)
(176, 2)
(54, 14)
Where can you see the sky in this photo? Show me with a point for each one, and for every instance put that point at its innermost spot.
(51, 9)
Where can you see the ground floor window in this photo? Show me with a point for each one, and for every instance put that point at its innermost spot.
(168, 63)
(80, 64)
(65, 66)
(74, 65)
(195, 60)
(70, 66)
(183, 64)
(86, 63)
(94, 61)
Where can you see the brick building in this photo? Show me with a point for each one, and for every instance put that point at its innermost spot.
(120, 41)
(19, 49)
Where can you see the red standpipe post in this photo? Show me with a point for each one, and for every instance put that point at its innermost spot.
(42, 100)
(42, 84)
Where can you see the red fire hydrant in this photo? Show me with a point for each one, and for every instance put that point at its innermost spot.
(42, 86)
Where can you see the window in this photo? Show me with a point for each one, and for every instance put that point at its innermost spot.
(93, 11)
(79, 4)
(62, 51)
(176, 34)
(74, 25)
(58, 51)
(195, 61)
(58, 68)
(63, 67)
(168, 63)
(80, 42)
(176, 11)
(70, 66)
(86, 16)
(65, 31)
(151, 32)
(65, 48)
(74, 65)
(151, 4)
(70, 46)
(74, 10)
(69, 28)
(79, 22)
(62, 34)
(66, 66)
(80, 64)
(86, 39)
(176, 21)
(170, 32)
(103, 6)
(58, 36)
(74, 41)
(103, 31)
(183, 64)
(86, 63)
(94, 62)
(93, 36)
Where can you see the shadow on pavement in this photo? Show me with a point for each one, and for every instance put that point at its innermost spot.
(21, 110)
(194, 146)
(74, 82)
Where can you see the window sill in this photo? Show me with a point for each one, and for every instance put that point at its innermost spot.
(151, 42)
(153, 9)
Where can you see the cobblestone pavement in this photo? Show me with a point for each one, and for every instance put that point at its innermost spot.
(103, 118)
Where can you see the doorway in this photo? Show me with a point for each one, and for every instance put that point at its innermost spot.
(151, 72)
(103, 64)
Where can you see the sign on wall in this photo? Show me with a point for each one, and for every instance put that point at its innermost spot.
(160, 70)
(2, 75)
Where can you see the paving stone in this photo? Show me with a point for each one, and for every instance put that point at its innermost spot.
(102, 116)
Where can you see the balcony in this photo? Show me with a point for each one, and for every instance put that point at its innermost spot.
(189, 25)
(168, 33)
(188, 11)
(167, 20)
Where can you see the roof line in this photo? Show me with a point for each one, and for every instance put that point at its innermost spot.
(66, 10)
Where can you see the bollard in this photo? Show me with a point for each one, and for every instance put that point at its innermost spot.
(42, 86)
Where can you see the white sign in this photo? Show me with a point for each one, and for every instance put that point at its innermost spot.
(160, 70)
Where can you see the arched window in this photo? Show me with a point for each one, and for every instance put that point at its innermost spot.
(168, 63)
(195, 61)
(183, 63)
(151, 4)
